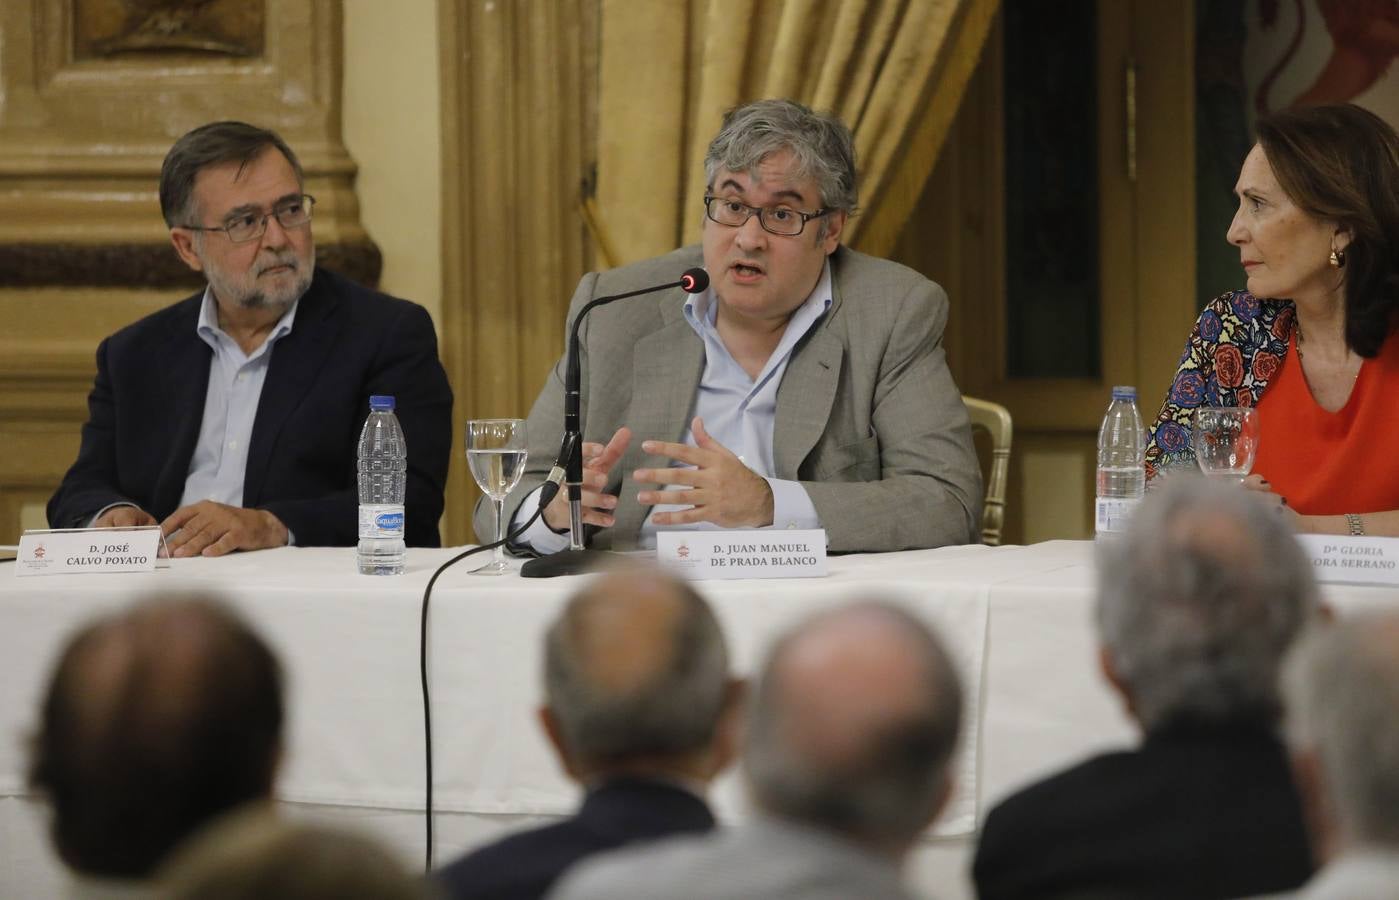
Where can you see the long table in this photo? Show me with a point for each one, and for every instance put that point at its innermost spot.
(1018, 620)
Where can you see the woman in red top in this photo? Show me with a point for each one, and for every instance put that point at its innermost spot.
(1318, 225)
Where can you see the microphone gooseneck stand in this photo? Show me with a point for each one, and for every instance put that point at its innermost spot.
(578, 559)
(551, 487)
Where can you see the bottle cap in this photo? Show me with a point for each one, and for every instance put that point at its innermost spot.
(383, 403)
(1124, 392)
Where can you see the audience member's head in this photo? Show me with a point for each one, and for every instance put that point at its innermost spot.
(1341, 686)
(253, 855)
(1198, 602)
(157, 719)
(636, 677)
(853, 726)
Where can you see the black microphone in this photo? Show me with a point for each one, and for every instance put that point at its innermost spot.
(577, 558)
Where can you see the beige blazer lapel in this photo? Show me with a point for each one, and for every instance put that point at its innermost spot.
(809, 386)
(804, 399)
(666, 369)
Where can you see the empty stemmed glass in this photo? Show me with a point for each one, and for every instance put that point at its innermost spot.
(495, 451)
(1226, 440)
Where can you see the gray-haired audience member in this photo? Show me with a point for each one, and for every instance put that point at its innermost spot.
(847, 754)
(1197, 604)
(157, 719)
(807, 387)
(642, 712)
(1341, 684)
(255, 855)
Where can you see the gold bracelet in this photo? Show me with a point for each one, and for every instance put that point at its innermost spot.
(1356, 524)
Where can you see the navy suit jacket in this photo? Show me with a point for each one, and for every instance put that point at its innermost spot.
(620, 812)
(1199, 812)
(348, 342)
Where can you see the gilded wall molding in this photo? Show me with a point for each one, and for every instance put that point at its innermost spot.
(82, 137)
(126, 265)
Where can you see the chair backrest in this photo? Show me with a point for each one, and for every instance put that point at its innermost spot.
(994, 419)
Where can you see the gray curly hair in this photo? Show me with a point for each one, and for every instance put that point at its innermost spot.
(822, 147)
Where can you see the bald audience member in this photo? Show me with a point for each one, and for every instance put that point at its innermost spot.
(847, 752)
(641, 710)
(1197, 604)
(1342, 689)
(157, 719)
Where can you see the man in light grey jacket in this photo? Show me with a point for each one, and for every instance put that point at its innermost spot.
(849, 741)
(1341, 686)
(807, 387)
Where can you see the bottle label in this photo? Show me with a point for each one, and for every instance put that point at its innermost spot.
(1113, 513)
(380, 520)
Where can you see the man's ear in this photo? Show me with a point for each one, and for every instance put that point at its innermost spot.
(274, 768)
(550, 723)
(835, 225)
(183, 241)
(728, 731)
(944, 796)
(1109, 669)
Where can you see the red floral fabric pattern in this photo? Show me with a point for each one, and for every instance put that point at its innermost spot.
(1236, 347)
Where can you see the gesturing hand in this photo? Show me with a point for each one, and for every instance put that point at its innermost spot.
(719, 489)
(213, 529)
(597, 506)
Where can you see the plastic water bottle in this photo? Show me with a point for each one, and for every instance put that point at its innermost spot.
(383, 475)
(1121, 462)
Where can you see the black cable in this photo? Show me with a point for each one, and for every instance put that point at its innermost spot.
(550, 488)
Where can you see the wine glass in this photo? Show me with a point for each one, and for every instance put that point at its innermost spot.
(495, 451)
(1226, 440)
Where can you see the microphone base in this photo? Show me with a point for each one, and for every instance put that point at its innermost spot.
(567, 562)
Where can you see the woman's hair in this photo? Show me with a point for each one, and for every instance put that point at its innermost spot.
(1341, 164)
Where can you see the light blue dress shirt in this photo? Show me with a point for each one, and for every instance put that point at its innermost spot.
(738, 412)
(230, 405)
(220, 457)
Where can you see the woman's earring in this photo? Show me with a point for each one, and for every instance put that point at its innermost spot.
(1338, 259)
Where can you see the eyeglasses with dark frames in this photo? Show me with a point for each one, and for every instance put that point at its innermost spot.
(250, 226)
(774, 219)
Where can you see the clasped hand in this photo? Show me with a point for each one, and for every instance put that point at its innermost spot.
(205, 528)
(718, 488)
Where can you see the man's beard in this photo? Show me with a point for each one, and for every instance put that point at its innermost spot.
(243, 294)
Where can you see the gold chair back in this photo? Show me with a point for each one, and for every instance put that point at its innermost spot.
(994, 419)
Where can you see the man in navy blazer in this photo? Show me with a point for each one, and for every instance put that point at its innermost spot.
(1197, 604)
(641, 711)
(232, 418)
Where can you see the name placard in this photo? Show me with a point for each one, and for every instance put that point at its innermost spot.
(744, 553)
(76, 550)
(1344, 559)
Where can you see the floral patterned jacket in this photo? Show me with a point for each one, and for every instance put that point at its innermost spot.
(1237, 346)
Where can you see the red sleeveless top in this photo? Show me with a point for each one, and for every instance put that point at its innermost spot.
(1328, 463)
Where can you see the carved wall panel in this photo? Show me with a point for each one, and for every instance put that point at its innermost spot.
(107, 28)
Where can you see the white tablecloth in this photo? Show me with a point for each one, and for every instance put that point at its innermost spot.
(1018, 619)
